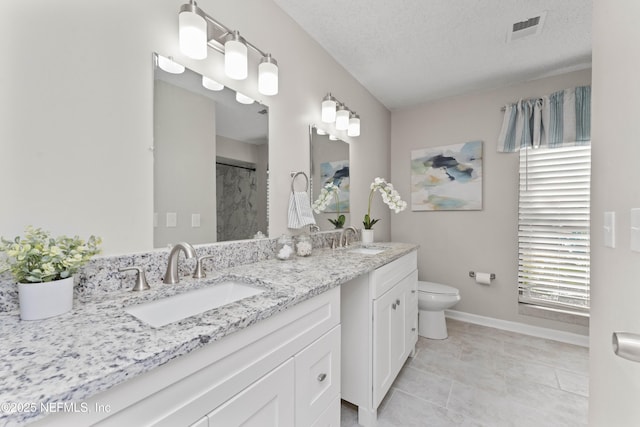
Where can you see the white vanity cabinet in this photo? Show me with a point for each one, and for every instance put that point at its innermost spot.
(379, 313)
(283, 371)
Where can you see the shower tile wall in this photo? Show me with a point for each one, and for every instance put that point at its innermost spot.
(236, 202)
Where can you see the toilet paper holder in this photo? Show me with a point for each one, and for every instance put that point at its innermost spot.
(472, 274)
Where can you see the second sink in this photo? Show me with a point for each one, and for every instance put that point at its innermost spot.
(367, 251)
(171, 309)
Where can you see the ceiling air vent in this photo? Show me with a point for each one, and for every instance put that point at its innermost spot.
(526, 28)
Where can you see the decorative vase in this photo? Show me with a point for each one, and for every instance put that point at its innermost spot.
(44, 300)
(367, 236)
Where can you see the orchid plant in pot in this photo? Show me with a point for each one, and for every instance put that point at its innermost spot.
(329, 191)
(390, 196)
(43, 267)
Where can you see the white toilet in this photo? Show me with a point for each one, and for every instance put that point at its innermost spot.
(433, 299)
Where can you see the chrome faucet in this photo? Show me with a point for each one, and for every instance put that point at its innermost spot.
(313, 228)
(171, 276)
(346, 238)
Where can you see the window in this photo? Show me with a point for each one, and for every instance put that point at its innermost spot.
(553, 228)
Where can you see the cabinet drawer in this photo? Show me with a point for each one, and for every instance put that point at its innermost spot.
(317, 369)
(385, 277)
(266, 403)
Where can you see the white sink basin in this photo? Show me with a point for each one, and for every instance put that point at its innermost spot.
(178, 307)
(367, 251)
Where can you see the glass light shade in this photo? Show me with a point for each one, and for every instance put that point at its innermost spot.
(333, 137)
(354, 125)
(342, 118)
(236, 64)
(169, 65)
(243, 99)
(320, 131)
(192, 34)
(329, 109)
(211, 84)
(268, 76)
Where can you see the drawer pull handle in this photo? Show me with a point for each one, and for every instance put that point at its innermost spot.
(322, 377)
(398, 301)
(413, 291)
(393, 305)
(413, 329)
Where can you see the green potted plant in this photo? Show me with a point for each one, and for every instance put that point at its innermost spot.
(329, 190)
(44, 267)
(390, 196)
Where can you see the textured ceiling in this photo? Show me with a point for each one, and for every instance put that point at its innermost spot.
(407, 52)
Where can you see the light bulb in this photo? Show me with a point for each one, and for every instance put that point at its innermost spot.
(329, 109)
(342, 118)
(235, 57)
(268, 76)
(192, 31)
(320, 131)
(211, 84)
(169, 65)
(243, 99)
(333, 137)
(354, 125)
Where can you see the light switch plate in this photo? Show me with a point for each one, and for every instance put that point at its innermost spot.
(609, 229)
(195, 220)
(172, 219)
(635, 230)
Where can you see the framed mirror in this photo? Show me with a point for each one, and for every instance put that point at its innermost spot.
(330, 164)
(210, 161)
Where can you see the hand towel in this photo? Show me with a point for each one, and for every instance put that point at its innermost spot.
(300, 213)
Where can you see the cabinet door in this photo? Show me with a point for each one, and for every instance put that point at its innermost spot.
(317, 377)
(269, 402)
(411, 310)
(331, 416)
(388, 340)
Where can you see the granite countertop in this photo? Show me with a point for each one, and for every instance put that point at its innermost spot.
(98, 345)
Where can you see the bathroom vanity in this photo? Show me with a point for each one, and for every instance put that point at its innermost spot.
(272, 359)
(379, 314)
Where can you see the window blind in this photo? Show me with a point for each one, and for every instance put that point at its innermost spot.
(553, 228)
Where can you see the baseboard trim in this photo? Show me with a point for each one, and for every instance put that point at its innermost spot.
(521, 328)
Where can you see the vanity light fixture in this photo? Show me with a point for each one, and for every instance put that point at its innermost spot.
(169, 65)
(354, 125)
(244, 99)
(334, 111)
(198, 30)
(329, 105)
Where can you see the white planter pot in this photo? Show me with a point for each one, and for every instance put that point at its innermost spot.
(43, 300)
(367, 237)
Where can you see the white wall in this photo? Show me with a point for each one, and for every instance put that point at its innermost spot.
(184, 158)
(77, 111)
(614, 382)
(452, 243)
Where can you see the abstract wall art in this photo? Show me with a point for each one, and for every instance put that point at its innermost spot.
(337, 173)
(447, 178)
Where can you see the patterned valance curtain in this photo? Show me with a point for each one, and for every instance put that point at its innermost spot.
(563, 119)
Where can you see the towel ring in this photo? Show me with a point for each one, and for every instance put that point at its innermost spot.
(294, 175)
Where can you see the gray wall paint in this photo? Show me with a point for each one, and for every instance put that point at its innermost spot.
(455, 242)
(614, 383)
(184, 165)
(77, 108)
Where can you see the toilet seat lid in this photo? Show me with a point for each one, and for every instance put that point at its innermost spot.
(437, 288)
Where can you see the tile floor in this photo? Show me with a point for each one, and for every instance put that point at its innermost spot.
(482, 376)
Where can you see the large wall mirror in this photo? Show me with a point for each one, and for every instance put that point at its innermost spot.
(210, 162)
(330, 164)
